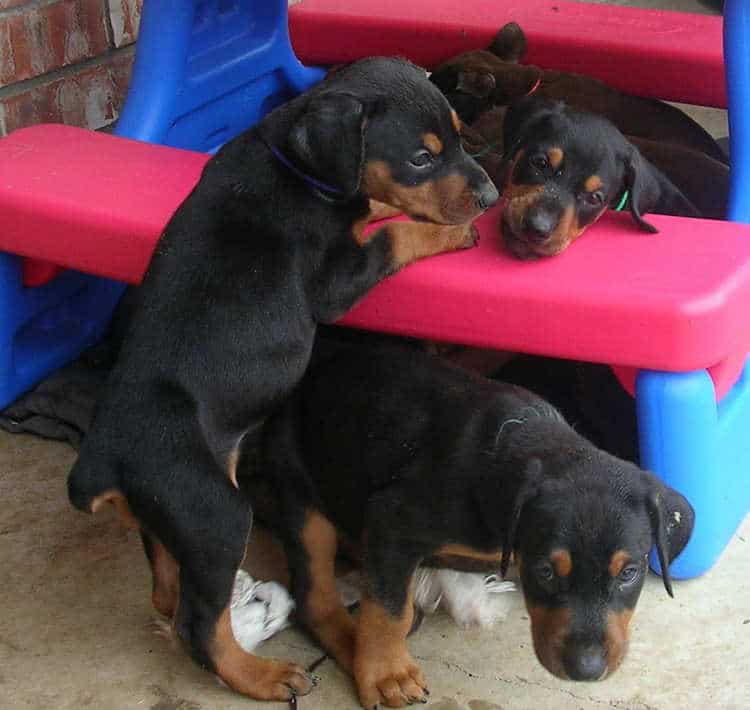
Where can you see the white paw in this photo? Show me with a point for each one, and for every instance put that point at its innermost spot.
(258, 610)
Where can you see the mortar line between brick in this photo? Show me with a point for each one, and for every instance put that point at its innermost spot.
(108, 23)
(21, 86)
(25, 7)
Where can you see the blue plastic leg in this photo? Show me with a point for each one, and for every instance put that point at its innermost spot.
(737, 63)
(700, 449)
(47, 326)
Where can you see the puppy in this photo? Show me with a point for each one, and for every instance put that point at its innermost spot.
(424, 462)
(477, 81)
(563, 169)
(269, 243)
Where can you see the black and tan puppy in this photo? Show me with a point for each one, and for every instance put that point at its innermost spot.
(422, 461)
(269, 243)
(563, 169)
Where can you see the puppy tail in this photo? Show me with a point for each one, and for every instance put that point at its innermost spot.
(91, 478)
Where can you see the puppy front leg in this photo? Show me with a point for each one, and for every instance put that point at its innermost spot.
(384, 670)
(312, 558)
(379, 210)
(363, 261)
(411, 241)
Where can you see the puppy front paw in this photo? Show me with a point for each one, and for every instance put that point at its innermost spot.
(394, 681)
(471, 237)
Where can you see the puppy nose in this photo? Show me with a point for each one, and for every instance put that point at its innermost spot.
(585, 663)
(487, 195)
(539, 225)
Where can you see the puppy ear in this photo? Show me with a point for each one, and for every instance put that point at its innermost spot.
(509, 43)
(529, 489)
(329, 139)
(672, 519)
(474, 83)
(651, 190)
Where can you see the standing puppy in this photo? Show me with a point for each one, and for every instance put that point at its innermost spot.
(425, 463)
(269, 243)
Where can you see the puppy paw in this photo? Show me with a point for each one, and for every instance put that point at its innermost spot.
(471, 237)
(391, 681)
(284, 682)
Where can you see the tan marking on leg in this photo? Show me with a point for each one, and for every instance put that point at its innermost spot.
(562, 562)
(617, 562)
(377, 211)
(260, 678)
(119, 502)
(616, 640)
(456, 550)
(456, 121)
(384, 669)
(593, 183)
(324, 614)
(433, 143)
(448, 200)
(165, 572)
(411, 241)
(555, 157)
(549, 627)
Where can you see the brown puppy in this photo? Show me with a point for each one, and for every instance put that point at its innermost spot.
(475, 82)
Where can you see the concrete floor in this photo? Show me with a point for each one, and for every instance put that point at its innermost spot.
(77, 629)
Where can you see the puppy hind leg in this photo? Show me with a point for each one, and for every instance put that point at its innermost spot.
(215, 533)
(165, 575)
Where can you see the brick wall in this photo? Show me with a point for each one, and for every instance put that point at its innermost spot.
(65, 61)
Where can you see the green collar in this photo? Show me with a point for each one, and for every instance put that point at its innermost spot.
(623, 201)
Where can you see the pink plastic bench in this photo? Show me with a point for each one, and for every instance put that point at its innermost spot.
(671, 306)
(612, 298)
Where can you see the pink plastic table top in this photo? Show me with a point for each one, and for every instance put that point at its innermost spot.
(675, 301)
(669, 55)
(89, 201)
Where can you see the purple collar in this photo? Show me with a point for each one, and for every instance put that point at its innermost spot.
(320, 186)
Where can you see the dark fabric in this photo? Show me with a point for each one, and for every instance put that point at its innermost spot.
(61, 407)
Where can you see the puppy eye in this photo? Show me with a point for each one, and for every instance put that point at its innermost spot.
(539, 162)
(593, 199)
(421, 159)
(544, 572)
(629, 574)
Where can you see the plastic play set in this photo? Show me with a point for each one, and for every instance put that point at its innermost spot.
(80, 213)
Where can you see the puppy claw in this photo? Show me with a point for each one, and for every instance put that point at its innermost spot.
(472, 237)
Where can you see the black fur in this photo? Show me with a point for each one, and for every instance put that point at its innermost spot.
(253, 259)
(591, 147)
(407, 453)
